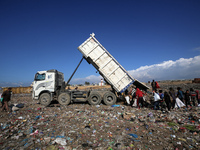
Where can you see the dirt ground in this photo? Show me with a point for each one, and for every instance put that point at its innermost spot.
(83, 126)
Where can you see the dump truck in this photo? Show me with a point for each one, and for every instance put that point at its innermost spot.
(50, 85)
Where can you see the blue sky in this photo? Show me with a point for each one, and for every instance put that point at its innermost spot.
(157, 39)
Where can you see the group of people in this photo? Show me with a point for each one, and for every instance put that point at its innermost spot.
(5, 98)
(168, 99)
(178, 98)
(173, 98)
(135, 94)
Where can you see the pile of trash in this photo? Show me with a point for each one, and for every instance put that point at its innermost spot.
(83, 126)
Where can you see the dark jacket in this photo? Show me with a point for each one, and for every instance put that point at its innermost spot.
(167, 98)
(6, 95)
(187, 96)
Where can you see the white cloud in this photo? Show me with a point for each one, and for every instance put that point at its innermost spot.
(197, 49)
(91, 79)
(169, 70)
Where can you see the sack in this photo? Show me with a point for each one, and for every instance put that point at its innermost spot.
(179, 103)
(20, 105)
(14, 108)
(156, 97)
(135, 103)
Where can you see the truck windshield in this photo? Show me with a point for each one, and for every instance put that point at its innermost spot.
(39, 77)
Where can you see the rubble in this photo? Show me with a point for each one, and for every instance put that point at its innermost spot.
(196, 80)
(101, 127)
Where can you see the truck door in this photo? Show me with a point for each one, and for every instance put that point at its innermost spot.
(43, 82)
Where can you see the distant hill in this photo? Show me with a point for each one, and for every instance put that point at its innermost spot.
(14, 84)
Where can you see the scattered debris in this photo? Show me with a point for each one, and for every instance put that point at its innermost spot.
(100, 127)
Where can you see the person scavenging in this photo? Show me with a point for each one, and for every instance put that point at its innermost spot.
(139, 95)
(180, 94)
(167, 100)
(193, 96)
(154, 86)
(156, 100)
(173, 95)
(6, 98)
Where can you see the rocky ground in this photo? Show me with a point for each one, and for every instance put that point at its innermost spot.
(82, 126)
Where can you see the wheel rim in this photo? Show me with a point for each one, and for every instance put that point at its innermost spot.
(44, 100)
(109, 99)
(95, 99)
(63, 99)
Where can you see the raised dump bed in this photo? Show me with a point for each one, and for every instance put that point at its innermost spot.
(108, 67)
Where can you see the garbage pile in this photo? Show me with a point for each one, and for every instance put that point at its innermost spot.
(83, 126)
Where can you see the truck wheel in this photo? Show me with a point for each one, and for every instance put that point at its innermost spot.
(64, 99)
(94, 98)
(109, 98)
(45, 99)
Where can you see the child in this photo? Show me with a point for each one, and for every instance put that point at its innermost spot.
(187, 98)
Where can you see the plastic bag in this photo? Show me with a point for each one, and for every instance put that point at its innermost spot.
(15, 108)
(20, 105)
(135, 103)
(179, 103)
(156, 97)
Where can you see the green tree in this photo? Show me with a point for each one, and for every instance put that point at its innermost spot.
(87, 83)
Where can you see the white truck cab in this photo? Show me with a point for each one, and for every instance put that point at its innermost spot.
(47, 82)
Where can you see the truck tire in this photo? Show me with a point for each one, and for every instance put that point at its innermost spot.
(45, 99)
(109, 98)
(94, 98)
(64, 99)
